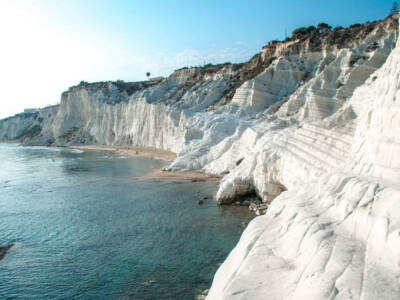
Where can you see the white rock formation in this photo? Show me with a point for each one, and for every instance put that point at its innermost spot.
(310, 125)
(335, 233)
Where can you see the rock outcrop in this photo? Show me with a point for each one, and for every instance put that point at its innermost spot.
(309, 126)
(4, 249)
(336, 234)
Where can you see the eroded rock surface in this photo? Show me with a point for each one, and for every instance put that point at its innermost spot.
(309, 126)
(334, 234)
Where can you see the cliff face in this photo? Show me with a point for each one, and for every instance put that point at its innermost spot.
(27, 126)
(147, 114)
(307, 79)
(335, 235)
(309, 125)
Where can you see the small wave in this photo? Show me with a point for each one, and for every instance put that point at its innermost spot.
(53, 149)
(107, 157)
(161, 158)
(75, 151)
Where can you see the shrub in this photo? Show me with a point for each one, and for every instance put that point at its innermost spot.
(303, 32)
(270, 60)
(323, 27)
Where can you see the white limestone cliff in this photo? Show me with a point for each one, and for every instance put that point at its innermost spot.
(335, 232)
(309, 126)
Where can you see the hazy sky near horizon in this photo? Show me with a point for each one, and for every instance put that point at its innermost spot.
(48, 45)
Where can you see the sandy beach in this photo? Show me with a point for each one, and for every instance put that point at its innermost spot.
(150, 152)
(132, 151)
(10, 143)
(184, 175)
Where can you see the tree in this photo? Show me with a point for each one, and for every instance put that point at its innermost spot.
(148, 75)
(303, 32)
(323, 27)
(299, 32)
(395, 8)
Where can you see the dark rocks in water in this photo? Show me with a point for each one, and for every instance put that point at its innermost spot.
(4, 249)
(201, 201)
(258, 209)
(79, 169)
(147, 283)
(202, 295)
(246, 203)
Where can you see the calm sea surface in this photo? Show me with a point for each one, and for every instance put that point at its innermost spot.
(85, 228)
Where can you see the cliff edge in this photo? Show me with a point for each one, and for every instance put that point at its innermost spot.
(308, 125)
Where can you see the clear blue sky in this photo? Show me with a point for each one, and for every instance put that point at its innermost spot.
(210, 26)
(52, 44)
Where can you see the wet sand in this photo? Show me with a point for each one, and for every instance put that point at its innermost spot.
(132, 151)
(183, 175)
(193, 176)
(10, 143)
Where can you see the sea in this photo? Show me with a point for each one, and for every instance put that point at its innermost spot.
(84, 225)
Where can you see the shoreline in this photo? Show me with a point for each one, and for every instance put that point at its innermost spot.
(194, 176)
(131, 151)
(10, 143)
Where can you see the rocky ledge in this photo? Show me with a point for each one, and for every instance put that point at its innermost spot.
(309, 126)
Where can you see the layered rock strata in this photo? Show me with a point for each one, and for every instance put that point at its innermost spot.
(309, 126)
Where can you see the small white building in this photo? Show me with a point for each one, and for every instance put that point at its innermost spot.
(31, 110)
(157, 78)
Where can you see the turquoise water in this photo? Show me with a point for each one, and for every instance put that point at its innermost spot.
(85, 228)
